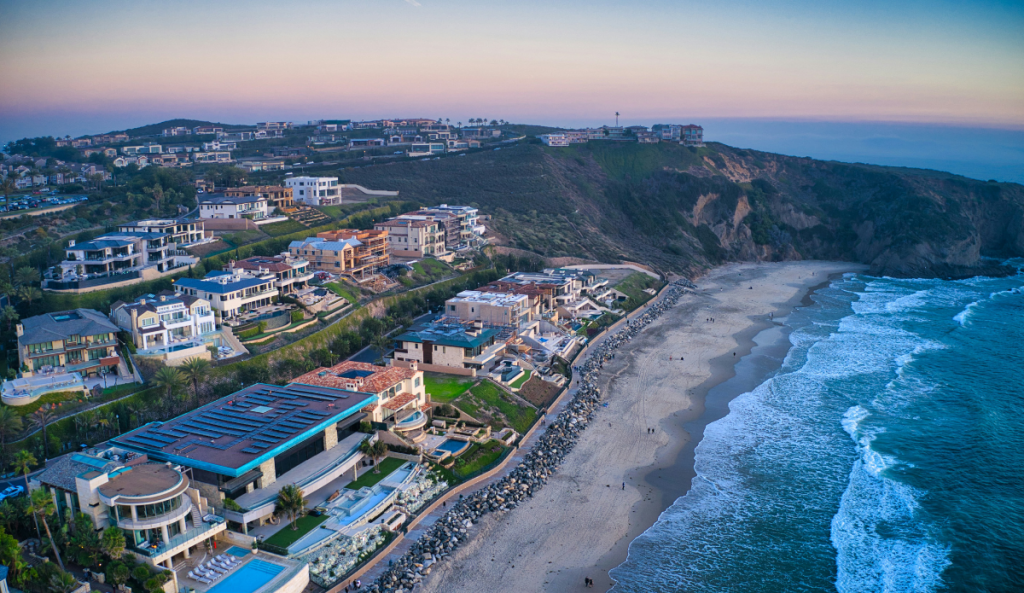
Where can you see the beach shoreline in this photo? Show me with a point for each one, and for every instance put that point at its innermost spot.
(580, 526)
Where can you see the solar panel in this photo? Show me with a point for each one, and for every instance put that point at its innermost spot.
(264, 438)
(175, 433)
(315, 413)
(250, 450)
(205, 424)
(233, 418)
(158, 437)
(202, 433)
(147, 442)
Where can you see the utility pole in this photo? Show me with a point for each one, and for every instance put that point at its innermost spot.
(616, 119)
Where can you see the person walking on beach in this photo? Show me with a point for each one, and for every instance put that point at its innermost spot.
(623, 485)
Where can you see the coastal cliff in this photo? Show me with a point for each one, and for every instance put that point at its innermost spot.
(684, 209)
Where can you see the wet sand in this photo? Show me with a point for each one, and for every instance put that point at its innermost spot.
(580, 524)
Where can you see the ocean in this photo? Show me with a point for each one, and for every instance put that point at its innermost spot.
(885, 455)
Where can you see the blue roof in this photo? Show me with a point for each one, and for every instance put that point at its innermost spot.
(217, 287)
(456, 336)
(323, 244)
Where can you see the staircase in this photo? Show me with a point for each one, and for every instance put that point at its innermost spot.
(197, 518)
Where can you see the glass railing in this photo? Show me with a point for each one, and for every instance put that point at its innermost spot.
(157, 548)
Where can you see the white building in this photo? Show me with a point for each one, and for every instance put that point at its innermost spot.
(555, 139)
(221, 206)
(167, 325)
(315, 191)
(231, 293)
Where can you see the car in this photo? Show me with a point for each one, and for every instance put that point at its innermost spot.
(12, 492)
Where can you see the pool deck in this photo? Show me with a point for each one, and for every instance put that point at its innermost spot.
(291, 567)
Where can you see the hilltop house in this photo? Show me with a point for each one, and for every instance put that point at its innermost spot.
(119, 257)
(277, 196)
(355, 253)
(315, 191)
(223, 206)
(168, 325)
(80, 340)
(231, 293)
(291, 274)
(414, 236)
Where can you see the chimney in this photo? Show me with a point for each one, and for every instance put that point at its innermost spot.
(163, 298)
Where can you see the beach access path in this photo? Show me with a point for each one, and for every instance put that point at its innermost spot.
(620, 477)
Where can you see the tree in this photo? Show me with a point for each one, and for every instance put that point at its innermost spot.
(10, 424)
(8, 185)
(63, 582)
(41, 505)
(10, 315)
(103, 420)
(42, 418)
(112, 542)
(25, 461)
(195, 369)
(169, 379)
(291, 503)
(376, 450)
(381, 343)
(118, 573)
(28, 293)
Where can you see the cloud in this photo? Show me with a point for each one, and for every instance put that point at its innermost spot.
(414, 3)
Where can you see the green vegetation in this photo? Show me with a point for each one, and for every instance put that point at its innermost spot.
(477, 458)
(518, 416)
(276, 229)
(286, 536)
(523, 378)
(634, 285)
(370, 477)
(445, 388)
(342, 290)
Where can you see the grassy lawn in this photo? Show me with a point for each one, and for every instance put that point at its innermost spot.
(287, 536)
(387, 465)
(276, 229)
(477, 457)
(343, 291)
(519, 416)
(521, 379)
(633, 286)
(445, 388)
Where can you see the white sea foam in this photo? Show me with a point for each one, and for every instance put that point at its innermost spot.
(964, 316)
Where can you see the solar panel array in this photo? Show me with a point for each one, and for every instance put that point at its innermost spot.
(289, 415)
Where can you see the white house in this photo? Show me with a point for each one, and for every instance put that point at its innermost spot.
(231, 293)
(555, 139)
(221, 206)
(315, 191)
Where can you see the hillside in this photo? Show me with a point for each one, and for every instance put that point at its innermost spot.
(683, 209)
(154, 129)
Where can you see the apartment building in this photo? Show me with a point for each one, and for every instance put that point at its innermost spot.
(414, 237)
(356, 253)
(167, 325)
(277, 196)
(290, 273)
(223, 206)
(180, 232)
(496, 309)
(315, 191)
(164, 518)
(402, 400)
(80, 340)
(232, 293)
(454, 348)
(123, 252)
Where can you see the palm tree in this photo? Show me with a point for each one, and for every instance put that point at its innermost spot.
(291, 503)
(41, 418)
(26, 275)
(133, 409)
(381, 343)
(195, 369)
(25, 461)
(63, 582)
(10, 423)
(102, 420)
(10, 315)
(41, 505)
(376, 450)
(7, 186)
(170, 380)
(28, 293)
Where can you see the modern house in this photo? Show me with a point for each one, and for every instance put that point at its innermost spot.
(315, 191)
(179, 232)
(233, 293)
(223, 206)
(120, 256)
(274, 125)
(555, 139)
(247, 445)
(80, 340)
(355, 253)
(290, 273)
(455, 348)
(469, 230)
(493, 309)
(427, 148)
(402, 400)
(414, 237)
(220, 156)
(164, 517)
(277, 196)
(692, 135)
(167, 325)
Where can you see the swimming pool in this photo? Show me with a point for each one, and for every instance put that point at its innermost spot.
(239, 552)
(452, 446)
(248, 578)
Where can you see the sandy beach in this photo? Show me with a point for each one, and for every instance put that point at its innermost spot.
(620, 476)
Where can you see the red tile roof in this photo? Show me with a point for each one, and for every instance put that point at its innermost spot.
(382, 379)
(399, 400)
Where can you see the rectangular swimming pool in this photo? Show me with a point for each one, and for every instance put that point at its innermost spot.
(248, 578)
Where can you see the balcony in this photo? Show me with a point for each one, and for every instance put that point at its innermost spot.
(188, 537)
(158, 521)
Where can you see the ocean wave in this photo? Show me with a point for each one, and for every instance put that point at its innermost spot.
(964, 316)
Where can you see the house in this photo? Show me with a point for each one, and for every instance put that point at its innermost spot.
(219, 145)
(121, 256)
(401, 392)
(178, 131)
(231, 293)
(81, 142)
(555, 139)
(355, 253)
(493, 309)
(366, 142)
(274, 125)
(455, 348)
(466, 232)
(414, 237)
(163, 517)
(253, 166)
(180, 148)
(290, 273)
(277, 196)
(482, 133)
(647, 138)
(110, 152)
(668, 132)
(692, 135)
(427, 149)
(179, 232)
(577, 136)
(148, 148)
(80, 340)
(206, 130)
(223, 206)
(315, 191)
(257, 439)
(167, 325)
(235, 136)
(211, 157)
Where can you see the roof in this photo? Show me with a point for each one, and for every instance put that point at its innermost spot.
(64, 470)
(240, 431)
(148, 479)
(448, 335)
(273, 264)
(494, 298)
(210, 284)
(357, 376)
(324, 244)
(398, 401)
(222, 199)
(61, 324)
(153, 301)
(404, 222)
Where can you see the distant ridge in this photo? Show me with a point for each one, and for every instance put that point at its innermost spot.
(156, 129)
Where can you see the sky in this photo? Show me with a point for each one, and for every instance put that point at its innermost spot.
(78, 67)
